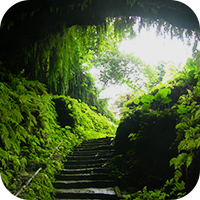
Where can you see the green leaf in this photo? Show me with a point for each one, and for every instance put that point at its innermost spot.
(5, 179)
(181, 106)
(190, 93)
(166, 100)
(197, 114)
(179, 160)
(93, 107)
(3, 154)
(147, 98)
(158, 97)
(3, 162)
(23, 162)
(69, 106)
(162, 94)
(189, 159)
(172, 161)
(177, 175)
(132, 136)
(145, 106)
(180, 186)
(136, 101)
(7, 143)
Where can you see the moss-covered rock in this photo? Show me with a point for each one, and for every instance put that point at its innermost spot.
(145, 141)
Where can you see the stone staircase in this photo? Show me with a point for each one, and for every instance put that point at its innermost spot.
(85, 174)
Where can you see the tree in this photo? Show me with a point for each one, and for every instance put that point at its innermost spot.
(164, 71)
(119, 68)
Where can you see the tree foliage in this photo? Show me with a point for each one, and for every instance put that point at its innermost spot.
(119, 68)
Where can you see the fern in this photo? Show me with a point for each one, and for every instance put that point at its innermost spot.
(179, 161)
(21, 133)
(4, 158)
(3, 163)
(5, 137)
(30, 133)
(4, 154)
(197, 114)
(23, 163)
(5, 179)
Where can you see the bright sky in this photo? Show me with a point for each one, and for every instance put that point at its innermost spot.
(151, 48)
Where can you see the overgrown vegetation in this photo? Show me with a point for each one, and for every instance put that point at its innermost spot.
(179, 100)
(54, 42)
(86, 124)
(31, 137)
(118, 68)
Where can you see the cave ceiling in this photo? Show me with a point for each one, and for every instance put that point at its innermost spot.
(32, 20)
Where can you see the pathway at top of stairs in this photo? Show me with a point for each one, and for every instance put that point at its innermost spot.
(85, 174)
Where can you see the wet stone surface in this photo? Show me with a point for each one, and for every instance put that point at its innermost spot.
(85, 175)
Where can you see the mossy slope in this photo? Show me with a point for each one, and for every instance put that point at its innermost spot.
(31, 138)
(157, 142)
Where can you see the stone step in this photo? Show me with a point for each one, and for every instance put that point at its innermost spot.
(83, 184)
(90, 157)
(99, 176)
(93, 143)
(94, 153)
(86, 161)
(85, 174)
(109, 190)
(97, 148)
(97, 196)
(85, 170)
(94, 148)
(82, 166)
(97, 142)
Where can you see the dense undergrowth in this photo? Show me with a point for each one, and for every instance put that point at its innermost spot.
(31, 138)
(150, 115)
(38, 130)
